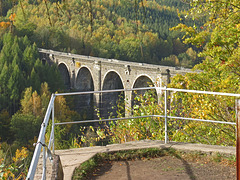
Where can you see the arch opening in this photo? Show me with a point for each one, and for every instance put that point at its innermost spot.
(84, 103)
(143, 95)
(65, 75)
(112, 103)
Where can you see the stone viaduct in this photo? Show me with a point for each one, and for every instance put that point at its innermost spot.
(86, 73)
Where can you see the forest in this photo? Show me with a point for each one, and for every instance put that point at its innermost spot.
(123, 29)
(197, 34)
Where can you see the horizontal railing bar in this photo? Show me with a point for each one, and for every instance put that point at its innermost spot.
(203, 120)
(202, 92)
(149, 88)
(138, 117)
(104, 91)
(104, 120)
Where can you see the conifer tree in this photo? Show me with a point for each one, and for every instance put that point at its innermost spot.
(21, 68)
(4, 76)
(35, 80)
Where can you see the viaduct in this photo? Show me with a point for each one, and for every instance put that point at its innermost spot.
(86, 73)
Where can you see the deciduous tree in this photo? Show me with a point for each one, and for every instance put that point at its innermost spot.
(219, 40)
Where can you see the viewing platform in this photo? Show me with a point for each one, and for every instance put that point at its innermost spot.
(72, 158)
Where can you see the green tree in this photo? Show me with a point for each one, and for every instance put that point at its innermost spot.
(22, 123)
(218, 37)
(5, 133)
(35, 80)
(21, 68)
(29, 58)
(219, 40)
(4, 77)
(15, 86)
(130, 49)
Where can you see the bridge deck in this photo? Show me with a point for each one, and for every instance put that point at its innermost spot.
(72, 158)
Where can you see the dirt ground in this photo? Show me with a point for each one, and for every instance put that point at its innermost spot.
(166, 167)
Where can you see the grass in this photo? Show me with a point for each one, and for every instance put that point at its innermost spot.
(90, 166)
(86, 167)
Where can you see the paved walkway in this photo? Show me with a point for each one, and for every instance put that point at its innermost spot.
(72, 158)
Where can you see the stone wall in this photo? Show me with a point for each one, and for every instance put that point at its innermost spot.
(57, 169)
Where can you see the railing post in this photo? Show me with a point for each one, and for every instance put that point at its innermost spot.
(44, 161)
(53, 126)
(166, 105)
(238, 138)
(158, 88)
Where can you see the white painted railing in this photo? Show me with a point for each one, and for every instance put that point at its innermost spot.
(50, 110)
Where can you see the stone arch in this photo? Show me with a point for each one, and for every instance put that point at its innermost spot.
(84, 80)
(110, 101)
(142, 81)
(62, 67)
(84, 103)
(112, 76)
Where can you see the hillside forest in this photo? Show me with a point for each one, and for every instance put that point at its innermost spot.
(123, 29)
(199, 34)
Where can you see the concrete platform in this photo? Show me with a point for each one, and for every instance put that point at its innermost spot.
(72, 158)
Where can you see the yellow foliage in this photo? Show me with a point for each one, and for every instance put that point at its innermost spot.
(12, 17)
(4, 24)
(20, 154)
(11, 171)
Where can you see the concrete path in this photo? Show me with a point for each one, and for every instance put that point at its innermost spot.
(72, 158)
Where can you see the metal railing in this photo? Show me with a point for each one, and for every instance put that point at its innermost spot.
(50, 111)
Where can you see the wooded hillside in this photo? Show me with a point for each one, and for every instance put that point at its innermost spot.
(127, 30)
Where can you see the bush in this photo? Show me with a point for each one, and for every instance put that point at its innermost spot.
(25, 127)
